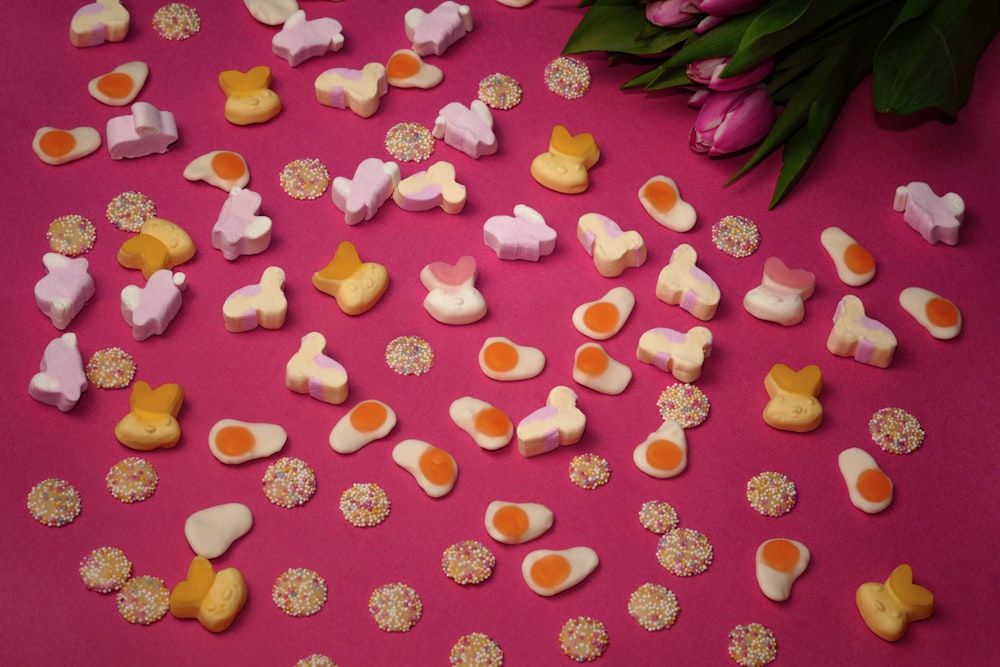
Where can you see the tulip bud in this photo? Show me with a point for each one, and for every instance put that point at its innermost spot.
(732, 120)
(672, 13)
(726, 7)
(709, 72)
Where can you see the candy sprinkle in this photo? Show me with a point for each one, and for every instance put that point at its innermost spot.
(654, 607)
(299, 592)
(468, 562)
(409, 355)
(896, 431)
(752, 645)
(132, 480)
(589, 471)
(409, 142)
(71, 235)
(736, 236)
(105, 569)
(54, 502)
(771, 493)
(658, 516)
(289, 482)
(686, 404)
(583, 639)
(111, 368)
(316, 660)
(476, 650)
(176, 21)
(568, 77)
(395, 607)
(364, 505)
(500, 91)
(304, 179)
(143, 600)
(129, 210)
(684, 552)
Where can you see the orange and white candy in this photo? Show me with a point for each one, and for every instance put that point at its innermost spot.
(595, 369)
(366, 422)
(663, 454)
(233, 441)
(55, 146)
(548, 572)
(223, 169)
(121, 85)
(662, 200)
(517, 523)
(406, 69)
(605, 317)
(870, 489)
(489, 426)
(434, 469)
(779, 562)
(502, 359)
(938, 315)
(854, 263)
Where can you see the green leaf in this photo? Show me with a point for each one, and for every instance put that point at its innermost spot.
(609, 25)
(928, 59)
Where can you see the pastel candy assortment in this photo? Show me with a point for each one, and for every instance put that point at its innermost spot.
(794, 398)
(214, 598)
(889, 608)
(56, 146)
(145, 131)
(211, 531)
(223, 169)
(603, 318)
(359, 90)
(682, 354)
(406, 69)
(613, 249)
(435, 31)
(262, 304)
(560, 423)
(517, 523)
(938, 219)
(856, 335)
(239, 229)
(233, 441)
(662, 200)
(488, 426)
(595, 369)
(357, 286)
(310, 371)
(151, 422)
(65, 288)
(121, 85)
(60, 380)
(436, 187)
(301, 39)
(781, 295)
(366, 422)
(98, 22)
(941, 317)
(664, 452)
(149, 310)
(682, 283)
(452, 297)
(433, 468)
(779, 562)
(869, 489)
(361, 197)
(565, 167)
(160, 244)
(551, 571)
(468, 129)
(249, 98)
(502, 359)
(523, 236)
(854, 263)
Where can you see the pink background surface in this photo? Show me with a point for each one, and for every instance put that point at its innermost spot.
(944, 517)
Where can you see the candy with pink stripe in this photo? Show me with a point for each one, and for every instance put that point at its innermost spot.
(682, 283)
(613, 249)
(682, 354)
(262, 304)
(310, 371)
(98, 22)
(856, 335)
(359, 90)
(558, 424)
(435, 188)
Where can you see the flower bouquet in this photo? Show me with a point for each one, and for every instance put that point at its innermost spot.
(743, 60)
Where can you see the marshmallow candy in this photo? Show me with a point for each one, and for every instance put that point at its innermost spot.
(781, 295)
(260, 305)
(682, 354)
(523, 236)
(60, 379)
(145, 131)
(856, 335)
(613, 250)
(435, 31)
(301, 39)
(682, 283)
(211, 531)
(558, 424)
(149, 310)
(937, 219)
(64, 290)
(356, 89)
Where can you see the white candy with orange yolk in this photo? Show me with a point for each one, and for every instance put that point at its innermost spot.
(605, 317)
(223, 169)
(55, 146)
(502, 359)
(517, 523)
(662, 200)
(434, 469)
(121, 85)
(779, 562)
(548, 572)
(938, 315)
(233, 441)
(870, 489)
(594, 368)
(663, 454)
(854, 263)
(366, 422)
(488, 426)
(406, 69)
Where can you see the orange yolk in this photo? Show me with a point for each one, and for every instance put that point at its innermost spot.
(115, 85)
(664, 454)
(436, 465)
(660, 195)
(858, 259)
(511, 520)
(941, 312)
(592, 361)
(227, 166)
(500, 356)
(873, 485)
(234, 440)
(402, 66)
(601, 317)
(368, 416)
(781, 555)
(550, 571)
(492, 422)
(57, 143)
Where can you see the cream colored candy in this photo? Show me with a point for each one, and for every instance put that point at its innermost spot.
(502, 359)
(259, 305)
(856, 335)
(681, 354)
(938, 315)
(434, 188)
(869, 488)
(223, 169)
(854, 263)
(488, 426)
(406, 69)
(779, 562)
(613, 250)
(781, 295)
(662, 200)
(364, 423)
(888, 609)
(55, 146)
(558, 424)
(357, 90)
(595, 369)
(517, 523)
(565, 167)
(233, 441)
(121, 85)
(211, 531)
(548, 572)
(214, 598)
(682, 283)
(434, 469)
(271, 12)
(310, 371)
(605, 317)
(664, 452)
(452, 297)
(98, 22)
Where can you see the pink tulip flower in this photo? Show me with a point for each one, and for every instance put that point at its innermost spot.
(730, 121)
(708, 72)
(726, 7)
(672, 13)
